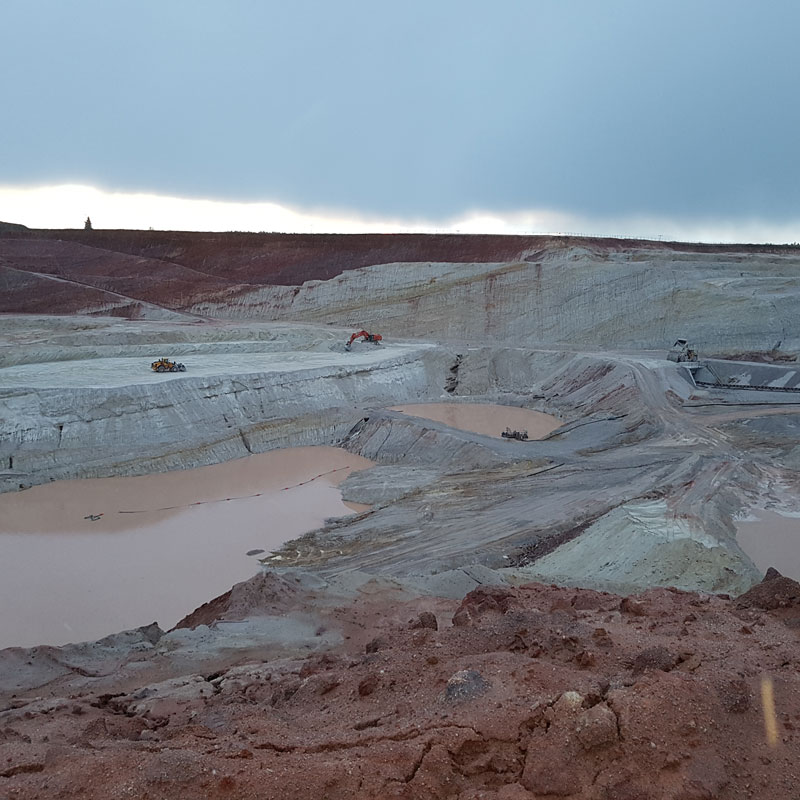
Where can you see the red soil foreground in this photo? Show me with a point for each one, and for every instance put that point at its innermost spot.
(536, 692)
(113, 271)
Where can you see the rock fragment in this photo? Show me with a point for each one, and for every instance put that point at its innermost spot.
(378, 643)
(635, 607)
(467, 684)
(161, 701)
(775, 591)
(597, 727)
(484, 600)
(426, 619)
(654, 658)
(735, 696)
(368, 685)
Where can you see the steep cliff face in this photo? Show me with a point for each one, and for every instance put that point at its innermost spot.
(128, 427)
(532, 290)
(574, 296)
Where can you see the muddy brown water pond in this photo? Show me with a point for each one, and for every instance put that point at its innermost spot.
(74, 567)
(485, 418)
(771, 540)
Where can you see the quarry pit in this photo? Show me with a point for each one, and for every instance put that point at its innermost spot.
(623, 491)
(641, 482)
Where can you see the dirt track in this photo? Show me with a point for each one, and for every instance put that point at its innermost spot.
(109, 372)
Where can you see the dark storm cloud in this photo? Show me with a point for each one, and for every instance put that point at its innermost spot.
(416, 108)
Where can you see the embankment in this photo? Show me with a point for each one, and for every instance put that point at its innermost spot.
(147, 423)
(537, 291)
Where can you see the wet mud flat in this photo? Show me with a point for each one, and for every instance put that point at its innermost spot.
(488, 419)
(86, 558)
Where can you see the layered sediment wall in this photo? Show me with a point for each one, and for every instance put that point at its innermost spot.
(190, 420)
(537, 291)
(576, 296)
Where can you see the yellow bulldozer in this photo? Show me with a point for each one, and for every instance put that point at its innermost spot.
(165, 365)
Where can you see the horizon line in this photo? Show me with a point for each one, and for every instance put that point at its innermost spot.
(49, 207)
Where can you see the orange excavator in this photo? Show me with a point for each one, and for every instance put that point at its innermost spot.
(375, 338)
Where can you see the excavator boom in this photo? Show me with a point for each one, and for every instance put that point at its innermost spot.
(375, 338)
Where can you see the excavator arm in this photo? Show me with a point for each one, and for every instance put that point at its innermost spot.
(375, 338)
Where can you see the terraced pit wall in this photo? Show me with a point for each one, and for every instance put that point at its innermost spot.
(572, 297)
(189, 421)
(535, 291)
(185, 422)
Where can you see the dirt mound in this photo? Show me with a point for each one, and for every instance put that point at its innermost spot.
(544, 692)
(263, 593)
(774, 592)
(759, 356)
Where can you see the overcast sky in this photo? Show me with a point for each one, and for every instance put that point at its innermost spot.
(677, 112)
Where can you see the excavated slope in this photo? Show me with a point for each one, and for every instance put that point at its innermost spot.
(575, 296)
(361, 674)
(111, 415)
(526, 694)
(536, 290)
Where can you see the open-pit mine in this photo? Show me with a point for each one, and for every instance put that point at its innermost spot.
(509, 550)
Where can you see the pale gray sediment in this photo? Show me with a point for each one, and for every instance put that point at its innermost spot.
(113, 416)
(348, 638)
(564, 292)
(454, 498)
(637, 488)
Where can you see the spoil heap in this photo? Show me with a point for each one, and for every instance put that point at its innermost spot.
(520, 693)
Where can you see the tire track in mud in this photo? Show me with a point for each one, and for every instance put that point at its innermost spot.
(696, 470)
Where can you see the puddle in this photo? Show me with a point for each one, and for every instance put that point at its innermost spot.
(771, 540)
(485, 418)
(73, 568)
(357, 508)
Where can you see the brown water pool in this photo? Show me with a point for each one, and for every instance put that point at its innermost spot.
(485, 418)
(158, 546)
(771, 540)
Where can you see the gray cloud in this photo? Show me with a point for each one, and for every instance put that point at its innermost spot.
(420, 108)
